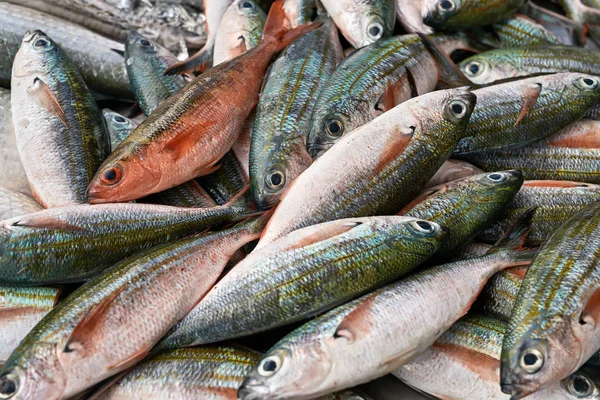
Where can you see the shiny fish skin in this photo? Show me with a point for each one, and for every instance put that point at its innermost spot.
(379, 168)
(239, 30)
(500, 293)
(299, 12)
(118, 126)
(409, 14)
(555, 203)
(552, 329)
(518, 31)
(189, 194)
(12, 174)
(453, 15)
(464, 364)
(307, 272)
(466, 206)
(103, 69)
(352, 95)
(146, 60)
(563, 99)
(225, 182)
(76, 345)
(62, 149)
(73, 243)
(452, 170)
(14, 203)
(278, 146)
(20, 310)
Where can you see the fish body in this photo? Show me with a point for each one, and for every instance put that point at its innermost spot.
(118, 126)
(514, 114)
(189, 194)
(497, 298)
(14, 203)
(410, 16)
(299, 12)
(73, 243)
(520, 31)
(58, 127)
(12, 174)
(453, 15)
(76, 345)
(227, 181)
(278, 147)
(452, 170)
(373, 171)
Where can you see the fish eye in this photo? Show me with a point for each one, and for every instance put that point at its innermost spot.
(335, 129)
(496, 177)
(9, 386)
(580, 386)
(588, 83)
(474, 68)
(247, 5)
(111, 176)
(269, 366)
(423, 226)
(532, 361)
(458, 108)
(41, 43)
(145, 43)
(375, 30)
(446, 5)
(119, 120)
(275, 180)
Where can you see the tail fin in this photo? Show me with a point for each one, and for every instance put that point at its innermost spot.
(514, 239)
(449, 74)
(276, 27)
(200, 61)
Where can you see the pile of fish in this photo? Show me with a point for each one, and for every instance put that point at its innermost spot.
(323, 194)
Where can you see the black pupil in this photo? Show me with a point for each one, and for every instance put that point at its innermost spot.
(276, 179)
(474, 68)
(588, 81)
(457, 108)
(119, 119)
(246, 4)
(446, 5)
(40, 43)
(495, 177)
(110, 175)
(8, 386)
(424, 225)
(374, 31)
(581, 385)
(335, 127)
(270, 365)
(144, 42)
(530, 359)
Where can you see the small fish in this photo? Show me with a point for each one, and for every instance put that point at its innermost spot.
(12, 174)
(453, 15)
(190, 131)
(471, 250)
(362, 23)
(21, 309)
(119, 127)
(58, 127)
(307, 272)
(498, 297)
(240, 30)
(189, 194)
(452, 170)
(517, 31)
(299, 12)
(14, 203)
(514, 114)
(76, 345)
(410, 16)
(380, 167)
(464, 364)
(226, 182)
(146, 60)
(553, 327)
(241, 147)
(377, 333)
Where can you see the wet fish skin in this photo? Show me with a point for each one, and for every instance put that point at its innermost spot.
(146, 60)
(560, 100)
(70, 244)
(118, 126)
(12, 174)
(518, 31)
(452, 170)
(362, 23)
(278, 146)
(76, 346)
(372, 171)
(466, 206)
(225, 182)
(14, 203)
(189, 194)
(307, 272)
(299, 12)
(58, 127)
(409, 14)
(500, 293)
(552, 332)
(453, 15)
(102, 69)
(21, 308)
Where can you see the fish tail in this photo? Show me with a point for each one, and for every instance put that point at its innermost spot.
(276, 27)
(198, 62)
(513, 240)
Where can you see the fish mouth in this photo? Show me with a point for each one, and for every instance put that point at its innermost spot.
(250, 391)
(516, 390)
(316, 150)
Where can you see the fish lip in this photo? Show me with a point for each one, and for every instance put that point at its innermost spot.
(316, 150)
(249, 391)
(515, 390)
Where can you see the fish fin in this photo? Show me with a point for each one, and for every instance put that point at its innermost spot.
(276, 27)
(119, 52)
(324, 234)
(97, 390)
(198, 62)
(514, 240)
(48, 100)
(180, 143)
(395, 146)
(529, 96)
(414, 89)
(207, 170)
(421, 197)
(391, 95)
(237, 196)
(555, 184)
(519, 272)
(591, 311)
(448, 72)
(242, 46)
(46, 222)
(357, 323)
(36, 195)
(132, 360)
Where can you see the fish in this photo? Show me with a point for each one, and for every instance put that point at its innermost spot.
(554, 201)
(118, 126)
(373, 171)
(552, 329)
(464, 363)
(240, 30)
(514, 114)
(517, 31)
(190, 131)
(102, 69)
(299, 12)
(451, 15)
(241, 147)
(58, 127)
(362, 23)
(410, 16)
(471, 250)
(506, 63)
(21, 308)
(498, 297)
(390, 68)
(14, 203)
(466, 206)
(189, 194)
(12, 174)
(452, 170)
(146, 61)
(305, 273)
(226, 182)
(71, 244)
(379, 332)
(570, 154)
(76, 344)
(278, 146)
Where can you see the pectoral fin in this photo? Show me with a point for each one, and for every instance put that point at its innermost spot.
(529, 96)
(46, 99)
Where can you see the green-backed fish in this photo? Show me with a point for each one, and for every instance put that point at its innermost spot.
(59, 129)
(226, 182)
(146, 60)
(299, 12)
(464, 364)
(466, 206)
(14, 203)
(278, 150)
(239, 30)
(189, 194)
(452, 170)
(21, 308)
(119, 127)
(554, 327)
(73, 243)
(379, 168)
(12, 174)
(498, 296)
(76, 345)
(306, 272)
(400, 67)
(452, 15)
(517, 31)
(515, 114)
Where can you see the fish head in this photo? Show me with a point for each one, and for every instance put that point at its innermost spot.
(115, 121)
(37, 55)
(248, 9)
(364, 22)
(138, 45)
(579, 385)
(437, 13)
(33, 372)
(587, 88)
(501, 186)
(490, 66)
(411, 235)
